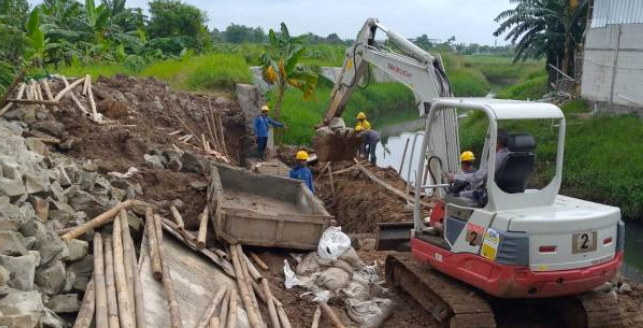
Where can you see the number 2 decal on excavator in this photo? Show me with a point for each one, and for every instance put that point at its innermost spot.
(584, 242)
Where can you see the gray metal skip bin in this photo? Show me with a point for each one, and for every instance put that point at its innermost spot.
(264, 210)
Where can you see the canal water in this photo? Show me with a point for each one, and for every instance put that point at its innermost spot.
(391, 148)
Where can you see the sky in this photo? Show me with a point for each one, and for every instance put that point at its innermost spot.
(471, 21)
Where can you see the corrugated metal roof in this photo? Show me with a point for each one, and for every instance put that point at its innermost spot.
(609, 12)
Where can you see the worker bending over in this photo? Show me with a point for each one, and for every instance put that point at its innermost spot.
(466, 161)
(301, 170)
(262, 126)
(371, 138)
(361, 121)
(477, 179)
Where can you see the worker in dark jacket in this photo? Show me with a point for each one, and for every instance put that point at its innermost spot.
(371, 138)
(301, 170)
(262, 126)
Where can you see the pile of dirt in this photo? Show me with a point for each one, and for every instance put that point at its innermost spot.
(359, 204)
(146, 111)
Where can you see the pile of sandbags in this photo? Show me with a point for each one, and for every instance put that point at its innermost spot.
(336, 270)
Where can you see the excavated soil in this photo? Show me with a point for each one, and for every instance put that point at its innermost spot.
(145, 112)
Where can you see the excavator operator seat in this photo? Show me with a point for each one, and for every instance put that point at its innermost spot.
(514, 172)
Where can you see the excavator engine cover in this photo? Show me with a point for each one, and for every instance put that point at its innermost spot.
(337, 144)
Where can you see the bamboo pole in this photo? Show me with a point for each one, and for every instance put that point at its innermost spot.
(259, 262)
(75, 99)
(87, 308)
(21, 92)
(259, 291)
(272, 310)
(321, 172)
(99, 281)
(98, 221)
(112, 301)
(253, 297)
(225, 306)
(221, 136)
(139, 304)
(283, 317)
(157, 267)
(203, 229)
(331, 315)
(86, 84)
(122, 290)
(68, 88)
(175, 312)
(34, 101)
(209, 311)
(243, 288)
(209, 126)
(316, 317)
(38, 90)
(210, 117)
(206, 145)
(128, 249)
(232, 312)
(251, 267)
(92, 101)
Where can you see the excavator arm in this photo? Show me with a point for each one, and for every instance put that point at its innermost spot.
(412, 66)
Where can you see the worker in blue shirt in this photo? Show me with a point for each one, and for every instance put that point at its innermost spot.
(301, 170)
(262, 126)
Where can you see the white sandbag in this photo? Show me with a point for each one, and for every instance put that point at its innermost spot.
(333, 243)
(352, 258)
(367, 275)
(355, 290)
(369, 314)
(308, 265)
(333, 279)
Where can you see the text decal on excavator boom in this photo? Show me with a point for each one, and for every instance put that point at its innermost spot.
(399, 71)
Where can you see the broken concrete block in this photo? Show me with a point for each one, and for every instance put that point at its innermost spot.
(5, 276)
(41, 207)
(12, 243)
(83, 201)
(56, 192)
(83, 270)
(154, 161)
(67, 144)
(30, 243)
(195, 163)
(90, 166)
(49, 244)
(11, 218)
(22, 270)
(77, 249)
(53, 128)
(65, 303)
(37, 146)
(62, 177)
(21, 309)
(12, 188)
(87, 180)
(70, 279)
(35, 183)
(173, 160)
(51, 278)
(118, 194)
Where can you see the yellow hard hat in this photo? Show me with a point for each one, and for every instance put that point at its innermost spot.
(265, 108)
(302, 155)
(467, 156)
(361, 116)
(359, 128)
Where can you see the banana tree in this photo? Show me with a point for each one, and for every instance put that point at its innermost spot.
(281, 68)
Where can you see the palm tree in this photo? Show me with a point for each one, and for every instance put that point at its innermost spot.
(281, 66)
(545, 28)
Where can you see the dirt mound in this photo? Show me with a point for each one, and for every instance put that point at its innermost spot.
(359, 203)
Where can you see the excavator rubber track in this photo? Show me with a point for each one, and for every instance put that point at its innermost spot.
(452, 303)
(456, 305)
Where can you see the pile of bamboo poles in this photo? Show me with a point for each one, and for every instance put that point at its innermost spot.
(114, 297)
(33, 92)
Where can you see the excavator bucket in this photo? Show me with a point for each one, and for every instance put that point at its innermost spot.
(339, 144)
(395, 236)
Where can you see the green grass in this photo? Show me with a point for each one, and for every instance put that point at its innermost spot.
(599, 162)
(465, 81)
(533, 88)
(502, 71)
(107, 69)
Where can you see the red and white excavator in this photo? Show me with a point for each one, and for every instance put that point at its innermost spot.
(515, 239)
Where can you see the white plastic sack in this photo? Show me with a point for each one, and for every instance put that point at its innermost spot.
(367, 275)
(333, 279)
(291, 279)
(355, 290)
(369, 314)
(333, 243)
(308, 265)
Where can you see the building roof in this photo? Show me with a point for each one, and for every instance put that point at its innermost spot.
(611, 12)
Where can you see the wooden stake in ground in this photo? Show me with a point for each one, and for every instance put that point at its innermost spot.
(92, 102)
(331, 315)
(87, 308)
(130, 258)
(99, 281)
(272, 310)
(157, 266)
(128, 249)
(316, 317)
(112, 301)
(122, 293)
(232, 312)
(203, 228)
(98, 221)
(175, 312)
(177, 217)
(259, 262)
(225, 307)
(209, 311)
(86, 84)
(243, 288)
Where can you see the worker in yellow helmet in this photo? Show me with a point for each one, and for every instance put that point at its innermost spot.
(262, 125)
(301, 170)
(466, 161)
(369, 145)
(361, 121)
